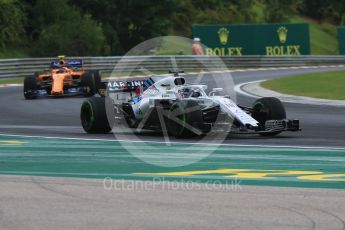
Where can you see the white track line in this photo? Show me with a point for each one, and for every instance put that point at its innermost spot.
(180, 143)
(238, 89)
(10, 85)
(256, 91)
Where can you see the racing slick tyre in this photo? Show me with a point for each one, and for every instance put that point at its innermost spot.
(30, 87)
(97, 77)
(89, 83)
(272, 108)
(181, 119)
(93, 115)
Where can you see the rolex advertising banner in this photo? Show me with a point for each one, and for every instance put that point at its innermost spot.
(341, 40)
(259, 39)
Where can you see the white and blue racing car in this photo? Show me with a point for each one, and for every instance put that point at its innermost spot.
(178, 109)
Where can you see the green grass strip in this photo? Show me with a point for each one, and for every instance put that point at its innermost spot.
(329, 85)
(17, 80)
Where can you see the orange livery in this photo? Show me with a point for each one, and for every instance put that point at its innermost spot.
(63, 78)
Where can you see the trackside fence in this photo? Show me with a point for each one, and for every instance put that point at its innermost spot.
(27, 66)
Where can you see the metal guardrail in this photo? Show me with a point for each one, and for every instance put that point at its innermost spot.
(27, 66)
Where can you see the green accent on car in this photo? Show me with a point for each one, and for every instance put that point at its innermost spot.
(259, 104)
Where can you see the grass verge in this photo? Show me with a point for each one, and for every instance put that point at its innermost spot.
(17, 80)
(323, 36)
(329, 85)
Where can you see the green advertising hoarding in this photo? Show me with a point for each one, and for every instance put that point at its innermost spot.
(254, 39)
(341, 40)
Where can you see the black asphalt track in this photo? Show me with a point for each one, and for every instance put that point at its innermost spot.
(321, 125)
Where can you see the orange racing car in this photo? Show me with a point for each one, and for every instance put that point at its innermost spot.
(64, 78)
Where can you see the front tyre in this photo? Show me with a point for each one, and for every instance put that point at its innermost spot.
(93, 116)
(268, 108)
(30, 87)
(181, 119)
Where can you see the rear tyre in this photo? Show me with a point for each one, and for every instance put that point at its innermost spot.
(93, 116)
(272, 108)
(181, 119)
(97, 77)
(30, 87)
(89, 84)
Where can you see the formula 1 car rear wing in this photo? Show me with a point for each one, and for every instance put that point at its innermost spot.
(115, 86)
(77, 63)
(123, 86)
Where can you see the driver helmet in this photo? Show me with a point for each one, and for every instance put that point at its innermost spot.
(196, 93)
(185, 92)
(61, 60)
